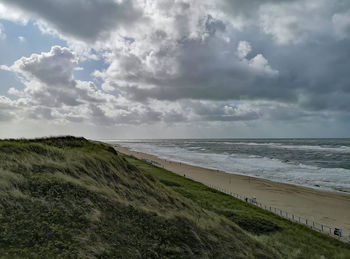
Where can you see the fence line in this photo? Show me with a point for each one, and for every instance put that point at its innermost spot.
(331, 231)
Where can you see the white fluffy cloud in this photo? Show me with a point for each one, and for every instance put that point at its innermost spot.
(52, 93)
(243, 49)
(258, 63)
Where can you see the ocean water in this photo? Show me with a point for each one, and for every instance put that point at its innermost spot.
(317, 163)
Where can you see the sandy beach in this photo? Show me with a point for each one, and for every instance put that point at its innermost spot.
(328, 208)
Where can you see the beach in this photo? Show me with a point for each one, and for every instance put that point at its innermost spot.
(324, 207)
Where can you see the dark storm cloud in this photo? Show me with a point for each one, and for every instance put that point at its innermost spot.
(311, 60)
(84, 19)
(207, 70)
(315, 73)
(223, 112)
(247, 8)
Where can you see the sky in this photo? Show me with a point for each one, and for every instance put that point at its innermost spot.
(113, 69)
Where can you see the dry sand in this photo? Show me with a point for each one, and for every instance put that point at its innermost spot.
(328, 208)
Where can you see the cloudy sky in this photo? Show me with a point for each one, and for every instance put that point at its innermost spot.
(175, 68)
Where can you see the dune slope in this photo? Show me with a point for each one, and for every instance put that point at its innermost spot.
(68, 197)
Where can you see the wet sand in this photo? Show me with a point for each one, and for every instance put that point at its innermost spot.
(328, 208)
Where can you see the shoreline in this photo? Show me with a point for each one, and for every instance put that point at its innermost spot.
(325, 207)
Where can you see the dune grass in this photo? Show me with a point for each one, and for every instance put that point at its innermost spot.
(285, 238)
(67, 197)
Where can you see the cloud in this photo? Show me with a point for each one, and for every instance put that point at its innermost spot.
(341, 22)
(243, 49)
(52, 93)
(12, 14)
(50, 88)
(295, 21)
(7, 109)
(51, 68)
(258, 63)
(186, 61)
(173, 62)
(85, 19)
(2, 33)
(21, 39)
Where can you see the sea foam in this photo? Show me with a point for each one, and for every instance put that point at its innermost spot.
(333, 179)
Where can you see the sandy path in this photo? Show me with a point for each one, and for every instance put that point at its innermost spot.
(328, 208)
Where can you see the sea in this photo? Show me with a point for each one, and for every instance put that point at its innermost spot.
(316, 163)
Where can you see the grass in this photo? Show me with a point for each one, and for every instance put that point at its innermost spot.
(285, 238)
(66, 197)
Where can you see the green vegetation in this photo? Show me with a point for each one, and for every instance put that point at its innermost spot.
(285, 238)
(67, 197)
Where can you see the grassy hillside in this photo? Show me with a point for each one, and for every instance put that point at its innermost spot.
(285, 238)
(68, 197)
